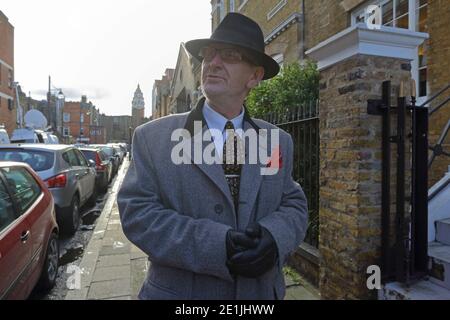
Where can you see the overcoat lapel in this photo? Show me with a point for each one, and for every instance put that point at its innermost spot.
(250, 175)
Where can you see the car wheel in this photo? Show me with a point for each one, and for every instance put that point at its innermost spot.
(50, 270)
(71, 219)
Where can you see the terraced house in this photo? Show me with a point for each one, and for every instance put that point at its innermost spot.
(369, 214)
(7, 112)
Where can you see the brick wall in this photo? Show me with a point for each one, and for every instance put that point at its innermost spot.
(439, 77)
(288, 42)
(7, 116)
(73, 108)
(323, 19)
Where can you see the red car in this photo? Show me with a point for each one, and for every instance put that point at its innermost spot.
(29, 250)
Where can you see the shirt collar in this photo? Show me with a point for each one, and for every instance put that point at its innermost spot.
(217, 121)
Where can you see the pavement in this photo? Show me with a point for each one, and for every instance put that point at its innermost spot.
(112, 268)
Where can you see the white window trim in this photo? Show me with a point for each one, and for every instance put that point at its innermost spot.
(276, 9)
(66, 117)
(5, 64)
(412, 26)
(232, 5)
(219, 4)
(5, 96)
(242, 5)
(64, 131)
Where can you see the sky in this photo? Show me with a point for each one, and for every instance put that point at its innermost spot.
(101, 48)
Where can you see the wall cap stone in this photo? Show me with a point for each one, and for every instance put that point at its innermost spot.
(359, 39)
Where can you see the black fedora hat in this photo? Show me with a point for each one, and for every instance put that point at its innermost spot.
(239, 30)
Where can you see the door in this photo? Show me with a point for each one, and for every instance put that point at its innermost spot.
(30, 204)
(88, 173)
(77, 172)
(15, 246)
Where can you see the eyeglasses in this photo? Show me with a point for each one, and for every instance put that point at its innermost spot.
(228, 55)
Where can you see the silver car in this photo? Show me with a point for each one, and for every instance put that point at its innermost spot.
(68, 175)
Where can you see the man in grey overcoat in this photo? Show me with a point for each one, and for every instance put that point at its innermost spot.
(223, 229)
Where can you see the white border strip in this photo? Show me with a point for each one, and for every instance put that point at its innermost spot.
(3, 95)
(276, 9)
(286, 23)
(6, 65)
(242, 5)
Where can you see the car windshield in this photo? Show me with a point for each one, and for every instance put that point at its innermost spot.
(38, 160)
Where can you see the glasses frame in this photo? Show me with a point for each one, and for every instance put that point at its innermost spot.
(243, 55)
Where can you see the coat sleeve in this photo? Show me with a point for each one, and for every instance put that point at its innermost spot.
(288, 224)
(168, 237)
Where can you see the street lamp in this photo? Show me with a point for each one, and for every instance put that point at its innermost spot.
(58, 94)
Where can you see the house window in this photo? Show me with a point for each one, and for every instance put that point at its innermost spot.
(10, 78)
(66, 117)
(66, 131)
(10, 104)
(394, 13)
(81, 117)
(404, 14)
(232, 5)
(422, 26)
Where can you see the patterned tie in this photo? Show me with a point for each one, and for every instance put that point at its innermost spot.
(233, 158)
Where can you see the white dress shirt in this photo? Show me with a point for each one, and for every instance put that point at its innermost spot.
(216, 121)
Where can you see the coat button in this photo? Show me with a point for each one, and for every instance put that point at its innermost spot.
(218, 208)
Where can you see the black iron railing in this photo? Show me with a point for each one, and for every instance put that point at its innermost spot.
(404, 241)
(437, 149)
(302, 122)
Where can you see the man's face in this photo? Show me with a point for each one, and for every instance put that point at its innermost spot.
(226, 71)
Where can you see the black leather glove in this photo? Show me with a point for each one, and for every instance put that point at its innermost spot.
(237, 241)
(254, 262)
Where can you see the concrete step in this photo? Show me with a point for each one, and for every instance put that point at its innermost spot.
(439, 263)
(422, 290)
(443, 231)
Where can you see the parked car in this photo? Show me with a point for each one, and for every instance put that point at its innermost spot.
(68, 175)
(118, 151)
(111, 153)
(29, 249)
(4, 138)
(103, 166)
(26, 135)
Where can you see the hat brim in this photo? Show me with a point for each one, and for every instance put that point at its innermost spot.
(271, 67)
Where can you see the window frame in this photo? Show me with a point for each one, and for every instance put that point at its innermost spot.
(81, 158)
(66, 117)
(19, 211)
(64, 131)
(65, 153)
(14, 203)
(413, 25)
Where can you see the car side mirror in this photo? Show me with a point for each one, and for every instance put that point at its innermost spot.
(91, 163)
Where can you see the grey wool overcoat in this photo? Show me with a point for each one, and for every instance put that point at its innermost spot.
(179, 214)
